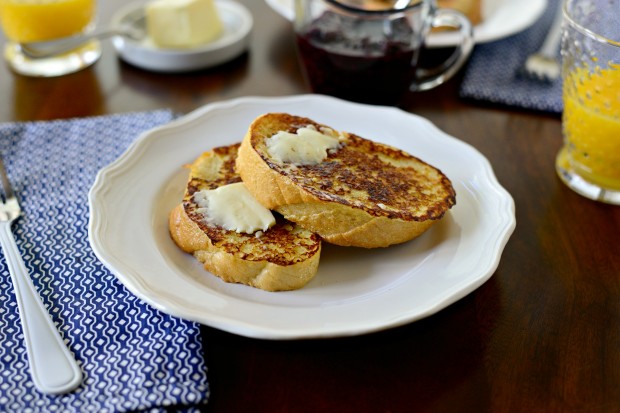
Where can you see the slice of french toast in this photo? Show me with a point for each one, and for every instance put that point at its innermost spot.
(283, 257)
(362, 193)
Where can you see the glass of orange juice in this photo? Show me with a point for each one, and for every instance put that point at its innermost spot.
(589, 161)
(25, 21)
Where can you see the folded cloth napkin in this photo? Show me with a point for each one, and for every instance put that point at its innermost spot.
(134, 358)
(491, 72)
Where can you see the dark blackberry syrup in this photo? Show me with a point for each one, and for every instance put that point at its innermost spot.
(358, 61)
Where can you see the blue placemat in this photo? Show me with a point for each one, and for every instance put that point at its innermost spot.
(133, 357)
(491, 73)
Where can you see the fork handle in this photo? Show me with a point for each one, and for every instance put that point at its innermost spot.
(53, 368)
(550, 45)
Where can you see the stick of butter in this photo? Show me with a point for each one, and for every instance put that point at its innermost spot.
(182, 23)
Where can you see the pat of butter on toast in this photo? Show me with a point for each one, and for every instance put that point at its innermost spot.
(363, 194)
(282, 257)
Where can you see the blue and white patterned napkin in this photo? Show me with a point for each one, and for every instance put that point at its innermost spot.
(491, 72)
(133, 357)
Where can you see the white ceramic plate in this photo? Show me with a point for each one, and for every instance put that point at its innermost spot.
(356, 290)
(502, 18)
(237, 22)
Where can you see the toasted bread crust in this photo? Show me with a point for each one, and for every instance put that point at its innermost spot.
(285, 257)
(364, 194)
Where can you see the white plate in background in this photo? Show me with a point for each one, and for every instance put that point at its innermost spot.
(356, 290)
(502, 18)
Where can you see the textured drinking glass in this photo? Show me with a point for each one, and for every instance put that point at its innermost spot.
(368, 51)
(589, 161)
(26, 21)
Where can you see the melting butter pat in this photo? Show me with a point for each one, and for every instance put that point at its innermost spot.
(182, 23)
(233, 207)
(306, 147)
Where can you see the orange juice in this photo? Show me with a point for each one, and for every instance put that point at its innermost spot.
(591, 124)
(34, 20)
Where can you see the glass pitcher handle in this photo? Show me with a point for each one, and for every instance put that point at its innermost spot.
(430, 78)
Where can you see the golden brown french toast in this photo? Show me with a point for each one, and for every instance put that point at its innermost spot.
(363, 193)
(283, 257)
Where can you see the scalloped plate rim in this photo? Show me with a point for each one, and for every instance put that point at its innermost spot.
(246, 324)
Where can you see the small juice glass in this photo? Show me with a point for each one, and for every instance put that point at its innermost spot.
(589, 161)
(25, 21)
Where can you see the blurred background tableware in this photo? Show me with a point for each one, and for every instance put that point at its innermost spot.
(232, 39)
(496, 19)
(133, 29)
(25, 21)
(544, 64)
(493, 73)
(367, 51)
(589, 161)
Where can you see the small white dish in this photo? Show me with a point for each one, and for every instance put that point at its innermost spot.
(355, 290)
(237, 22)
(502, 18)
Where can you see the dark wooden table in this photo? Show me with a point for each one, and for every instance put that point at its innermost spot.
(542, 335)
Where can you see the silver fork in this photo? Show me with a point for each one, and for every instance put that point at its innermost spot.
(53, 368)
(544, 65)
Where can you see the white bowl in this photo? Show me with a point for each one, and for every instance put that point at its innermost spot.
(237, 22)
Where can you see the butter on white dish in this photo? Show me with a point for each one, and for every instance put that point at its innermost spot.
(182, 23)
(305, 147)
(145, 54)
(232, 207)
